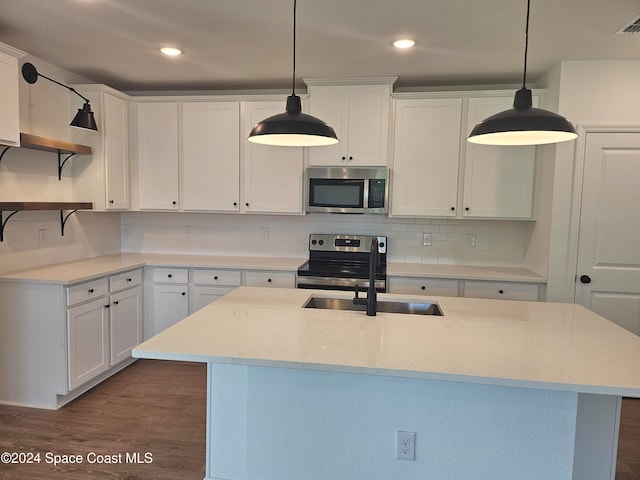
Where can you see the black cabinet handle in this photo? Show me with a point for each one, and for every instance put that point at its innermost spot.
(91, 290)
(586, 279)
(174, 203)
(344, 158)
(500, 292)
(467, 209)
(235, 204)
(129, 280)
(350, 158)
(453, 209)
(169, 275)
(184, 293)
(111, 201)
(107, 306)
(246, 204)
(423, 287)
(268, 280)
(116, 302)
(215, 278)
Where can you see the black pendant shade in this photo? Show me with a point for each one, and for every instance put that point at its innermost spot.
(84, 118)
(293, 128)
(523, 124)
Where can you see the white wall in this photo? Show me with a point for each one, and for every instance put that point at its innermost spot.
(33, 238)
(590, 93)
(497, 242)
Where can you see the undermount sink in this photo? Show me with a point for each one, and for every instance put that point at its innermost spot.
(411, 307)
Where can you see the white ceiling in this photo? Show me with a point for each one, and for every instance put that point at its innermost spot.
(240, 44)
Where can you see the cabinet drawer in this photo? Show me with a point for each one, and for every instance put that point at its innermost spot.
(124, 280)
(501, 290)
(86, 291)
(230, 278)
(170, 275)
(423, 286)
(270, 279)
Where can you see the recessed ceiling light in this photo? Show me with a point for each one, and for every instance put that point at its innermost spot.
(404, 43)
(171, 51)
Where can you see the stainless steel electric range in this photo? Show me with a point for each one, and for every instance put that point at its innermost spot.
(340, 262)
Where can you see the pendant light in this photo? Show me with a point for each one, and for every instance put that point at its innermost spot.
(523, 124)
(84, 117)
(293, 128)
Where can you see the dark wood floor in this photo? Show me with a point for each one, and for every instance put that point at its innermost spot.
(151, 406)
(159, 407)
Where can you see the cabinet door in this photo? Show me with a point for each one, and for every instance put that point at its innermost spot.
(211, 156)
(425, 158)
(9, 108)
(331, 105)
(126, 323)
(88, 341)
(202, 296)
(116, 152)
(158, 156)
(498, 181)
(272, 176)
(170, 305)
(368, 124)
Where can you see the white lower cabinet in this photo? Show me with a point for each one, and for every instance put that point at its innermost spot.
(170, 305)
(501, 290)
(270, 279)
(423, 286)
(88, 341)
(209, 285)
(104, 323)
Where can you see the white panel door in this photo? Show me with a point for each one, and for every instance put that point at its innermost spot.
(608, 267)
(158, 156)
(170, 305)
(425, 158)
(116, 152)
(126, 323)
(211, 156)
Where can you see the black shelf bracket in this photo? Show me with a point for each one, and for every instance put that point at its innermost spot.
(3, 222)
(64, 218)
(62, 162)
(4, 150)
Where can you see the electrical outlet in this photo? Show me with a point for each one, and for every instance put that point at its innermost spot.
(471, 240)
(406, 443)
(426, 240)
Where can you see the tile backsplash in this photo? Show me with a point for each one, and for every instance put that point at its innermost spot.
(463, 242)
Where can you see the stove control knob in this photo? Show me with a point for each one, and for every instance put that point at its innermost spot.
(381, 245)
(321, 242)
(313, 242)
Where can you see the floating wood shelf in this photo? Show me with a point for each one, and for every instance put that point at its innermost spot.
(16, 207)
(61, 147)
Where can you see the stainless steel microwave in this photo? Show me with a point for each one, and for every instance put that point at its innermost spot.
(347, 189)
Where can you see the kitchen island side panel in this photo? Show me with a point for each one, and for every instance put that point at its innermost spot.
(318, 425)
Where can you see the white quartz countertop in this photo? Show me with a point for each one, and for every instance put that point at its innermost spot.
(465, 272)
(81, 270)
(497, 342)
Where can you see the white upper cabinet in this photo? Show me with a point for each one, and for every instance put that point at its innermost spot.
(498, 181)
(157, 159)
(9, 107)
(104, 179)
(272, 177)
(359, 114)
(425, 157)
(211, 156)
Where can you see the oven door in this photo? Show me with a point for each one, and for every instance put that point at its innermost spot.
(335, 283)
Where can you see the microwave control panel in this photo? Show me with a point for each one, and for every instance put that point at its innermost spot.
(377, 193)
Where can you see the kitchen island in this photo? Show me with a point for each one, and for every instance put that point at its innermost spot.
(493, 389)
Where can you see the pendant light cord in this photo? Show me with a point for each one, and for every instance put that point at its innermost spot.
(526, 45)
(293, 82)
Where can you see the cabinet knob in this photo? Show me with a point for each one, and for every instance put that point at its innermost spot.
(268, 280)
(111, 202)
(215, 278)
(116, 302)
(184, 293)
(246, 204)
(466, 208)
(453, 209)
(169, 276)
(174, 203)
(423, 287)
(586, 279)
(129, 280)
(91, 290)
(500, 292)
(235, 204)
(350, 158)
(344, 158)
(107, 306)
